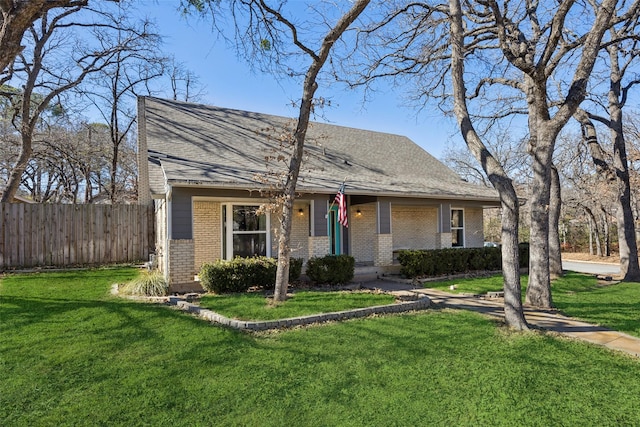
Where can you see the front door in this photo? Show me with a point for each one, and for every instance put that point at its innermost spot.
(335, 231)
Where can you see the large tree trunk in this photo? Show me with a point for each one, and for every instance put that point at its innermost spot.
(555, 206)
(628, 247)
(513, 311)
(539, 287)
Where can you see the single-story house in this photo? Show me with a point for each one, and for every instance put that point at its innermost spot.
(208, 170)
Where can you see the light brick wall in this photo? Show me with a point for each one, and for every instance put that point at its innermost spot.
(207, 232)
(363, 232)
(181, 262)
(299, 232)
(443, 240)
(318, 246)
(473, 230)
(414, 227)
(383, 250)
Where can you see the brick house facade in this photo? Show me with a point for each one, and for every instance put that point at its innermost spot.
(200, 166)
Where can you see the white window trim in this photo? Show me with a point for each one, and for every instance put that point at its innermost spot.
(463, 228)
(228, 206)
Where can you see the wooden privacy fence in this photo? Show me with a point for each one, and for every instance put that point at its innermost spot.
(34, 235)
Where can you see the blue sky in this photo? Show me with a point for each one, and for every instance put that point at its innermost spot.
(230, 83)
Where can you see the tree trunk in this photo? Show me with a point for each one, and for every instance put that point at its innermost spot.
(590, 228)
(628, 247)
(539, 287)
(15, 178)
(309, 88)
(555, 206)
(513, 311)
(605, 231)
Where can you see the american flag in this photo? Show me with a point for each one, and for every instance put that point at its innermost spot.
(341, 201)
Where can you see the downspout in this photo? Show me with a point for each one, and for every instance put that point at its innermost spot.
(169, 229)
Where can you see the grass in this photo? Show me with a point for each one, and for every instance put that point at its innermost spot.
(616, 306)
(254, 306)
(71, 354)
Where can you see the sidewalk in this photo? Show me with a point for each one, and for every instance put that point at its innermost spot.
(547, 320)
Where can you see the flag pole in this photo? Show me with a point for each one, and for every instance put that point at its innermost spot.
(341, 187)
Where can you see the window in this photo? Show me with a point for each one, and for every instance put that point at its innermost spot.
(457, 228)
(246, 232)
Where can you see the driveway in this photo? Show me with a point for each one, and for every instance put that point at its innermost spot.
(591, 267)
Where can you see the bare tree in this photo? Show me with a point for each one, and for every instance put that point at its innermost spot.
(16, 18)
(622, 56)
(114, 88)
(268, 28)
(185, 85)
(499, 179)
(54, 62)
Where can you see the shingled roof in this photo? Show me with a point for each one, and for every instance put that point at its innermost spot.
(194, 144)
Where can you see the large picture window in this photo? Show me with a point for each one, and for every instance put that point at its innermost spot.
(457, 228)
(246, 232)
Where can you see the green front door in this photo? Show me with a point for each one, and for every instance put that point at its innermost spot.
(335, 231)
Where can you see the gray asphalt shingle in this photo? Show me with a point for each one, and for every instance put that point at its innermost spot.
(223, 148)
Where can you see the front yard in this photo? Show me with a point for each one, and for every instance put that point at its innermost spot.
(72, 354)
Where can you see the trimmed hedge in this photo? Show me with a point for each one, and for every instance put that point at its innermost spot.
(240, 274)
(331, 269)
(436, 262)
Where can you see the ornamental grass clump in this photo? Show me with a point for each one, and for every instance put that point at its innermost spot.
(148, 284)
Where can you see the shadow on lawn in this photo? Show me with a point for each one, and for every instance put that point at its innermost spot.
(619, 316)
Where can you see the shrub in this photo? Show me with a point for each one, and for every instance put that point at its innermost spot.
(240, 274)
(148, 283)
(331, 269)
(436, 262)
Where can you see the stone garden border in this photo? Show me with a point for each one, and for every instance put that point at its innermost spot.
(256, 326)
(418, 302)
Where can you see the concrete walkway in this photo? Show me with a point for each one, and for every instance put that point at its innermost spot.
(540, 319)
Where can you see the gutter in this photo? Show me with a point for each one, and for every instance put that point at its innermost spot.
(442, 196)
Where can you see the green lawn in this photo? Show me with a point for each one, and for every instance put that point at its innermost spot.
(254, 306)
(616, 306)
(71, 354)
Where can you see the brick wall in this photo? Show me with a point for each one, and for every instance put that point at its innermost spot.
(443, 240)
(299, 232)
(473, 231)
(207, 232)
(181, 263)
(414, 227)
(363, 232)
(383, 249)
(318, 246)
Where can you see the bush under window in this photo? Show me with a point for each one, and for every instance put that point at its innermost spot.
(240, 274)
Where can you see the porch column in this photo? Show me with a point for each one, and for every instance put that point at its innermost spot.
(318, 236)
(383, 244)
(443, 237)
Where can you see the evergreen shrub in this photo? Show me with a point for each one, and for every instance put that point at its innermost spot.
(240, 274)
(435, 262)
(331, 269)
